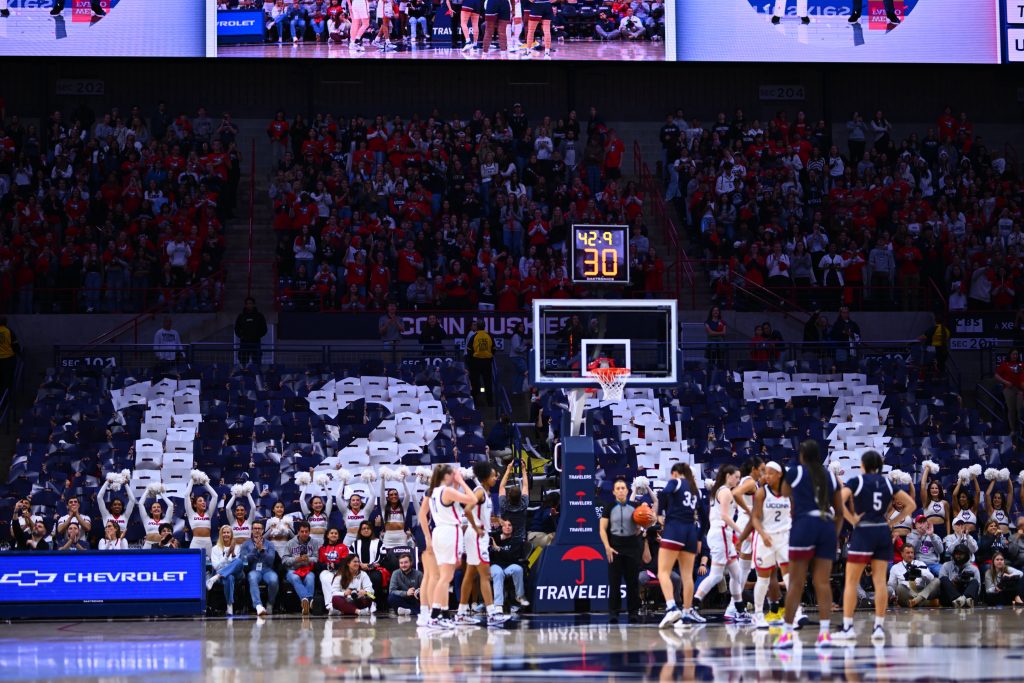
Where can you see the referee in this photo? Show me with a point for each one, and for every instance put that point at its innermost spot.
(624, 545)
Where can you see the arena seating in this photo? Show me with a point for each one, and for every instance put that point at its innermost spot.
(85, 424)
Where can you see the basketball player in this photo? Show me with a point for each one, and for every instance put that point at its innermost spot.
(722, 529)
(478, 550)
(890, 12)
(359, 11)
(470, 19)
(427, 561)
(801, 11)
(540, 13)
(58, 8)
(867, 499)
(770, 522)
(446, 544)
(497, 15)
(751, 476)
(814, 495)
(680, 542)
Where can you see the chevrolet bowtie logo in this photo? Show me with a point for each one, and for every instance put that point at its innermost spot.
(28, 578)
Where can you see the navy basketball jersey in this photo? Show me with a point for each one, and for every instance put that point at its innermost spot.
(678, 502)
(872, 494)
(805, 501)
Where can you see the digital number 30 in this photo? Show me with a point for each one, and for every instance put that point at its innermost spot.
(600, 263)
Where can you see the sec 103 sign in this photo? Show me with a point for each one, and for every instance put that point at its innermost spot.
(600, 254)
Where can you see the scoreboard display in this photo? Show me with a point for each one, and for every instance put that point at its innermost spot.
(600, 254)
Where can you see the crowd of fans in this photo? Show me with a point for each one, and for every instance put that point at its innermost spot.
(880, 223)
(444, 214)
(114, 211)
(410, 22)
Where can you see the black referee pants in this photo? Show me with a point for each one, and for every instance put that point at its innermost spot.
(625, 566)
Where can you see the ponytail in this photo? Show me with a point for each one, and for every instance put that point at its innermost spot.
(723, 472)
(810, 458)
(684, 469)
(437, 476)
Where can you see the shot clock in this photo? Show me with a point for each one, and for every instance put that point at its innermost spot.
(600, 253)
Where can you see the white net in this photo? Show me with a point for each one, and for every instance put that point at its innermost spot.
(612, 380)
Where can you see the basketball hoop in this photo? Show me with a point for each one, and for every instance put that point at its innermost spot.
(612, 381)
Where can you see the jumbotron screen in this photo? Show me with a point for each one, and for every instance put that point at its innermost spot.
(106, 28)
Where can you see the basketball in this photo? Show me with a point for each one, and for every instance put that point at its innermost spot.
(643, 515)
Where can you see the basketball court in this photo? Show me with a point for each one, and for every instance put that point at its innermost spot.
(925, 645)
(586, 51)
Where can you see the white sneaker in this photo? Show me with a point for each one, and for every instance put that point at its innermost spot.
(440, 624)
(331, 612)
(845, 635)
(404, 611)
(692, 616)
(514, 609)
(364, 612)
(468, 46)
(230, 611)
(671, 616)
(261, 611)
(497, 619)
(730, 611)
(970, 603)
(212, 581)
(960, 602)
(878, 636)
(523, 602)
(800, 618)
(422, 618)
(760, 622)
(466, 620)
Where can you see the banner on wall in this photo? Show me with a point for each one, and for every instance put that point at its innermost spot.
(456, 324)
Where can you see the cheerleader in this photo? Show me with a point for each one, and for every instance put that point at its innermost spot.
(680, 541)
(722, 531)
(445, 497)
(933, 502)
(997, 504)
(395, 516)
(965, 506)
(118, 512)
(151, 522)
(279, 528)
(197, 516)
(241, 529)
(316, 513)
(359, 11)
(814, 495)
(355, 512)
(867, 500)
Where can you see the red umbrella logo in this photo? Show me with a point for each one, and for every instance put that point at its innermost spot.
(580, 520)
(581, 494)
(580, 468)
(581, 554)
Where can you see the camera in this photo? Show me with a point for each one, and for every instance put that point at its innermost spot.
(913, 573)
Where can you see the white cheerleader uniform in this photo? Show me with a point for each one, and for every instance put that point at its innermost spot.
(777, 519)
(200, 521)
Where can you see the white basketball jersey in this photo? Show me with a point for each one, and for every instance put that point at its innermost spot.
(716, 517)
(443, 515)
(778, 513)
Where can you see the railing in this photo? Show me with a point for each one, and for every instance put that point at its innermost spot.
(171, 302)
(680, 263)
(112, 300)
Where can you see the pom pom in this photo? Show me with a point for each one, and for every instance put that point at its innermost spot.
(343, 475)
(1020, 477)
(423, 474)
(1003, 475)
(964, 475)
(321, 479)
(896, 476)
(368, 475)
(641, 484)
(248, 487)
(929, 466)
(402, 473)
(708, 483)
(386, 474)
(113, 477)
(835, 467)
(991, 473)
(975, 470)
(126, 477)
(237, 491)
(303, 478)
(199, 477)
(467, 472)
(155, 489)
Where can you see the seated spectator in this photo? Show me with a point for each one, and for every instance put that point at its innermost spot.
(507, 552)
(369, 549)
(74, 516)
(259, 557)
(960, 537)
(352, 590)
(992, 541)
(926, 543)
(910, 581)
(1004, 585)
(168, 541)
(299, 558)
(631, 27)
(959, 580)
(75, 539)
(404, 589)
(227, 564)
(331, 554)
(1015, 550)
(112, 539)
(544, 522)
